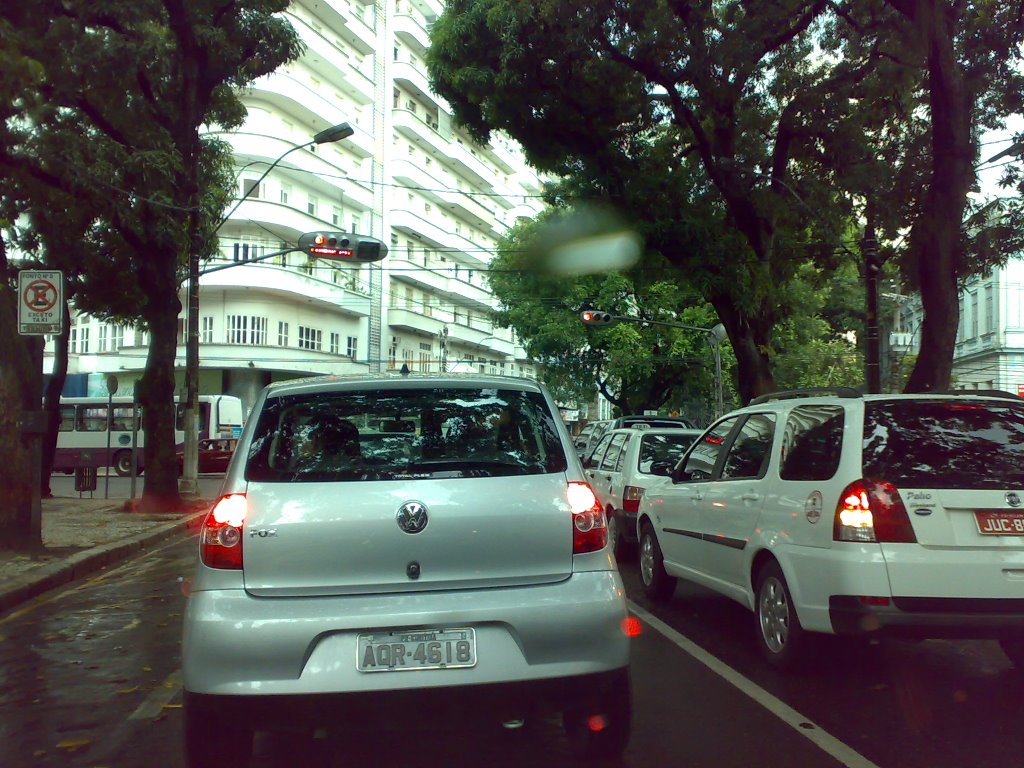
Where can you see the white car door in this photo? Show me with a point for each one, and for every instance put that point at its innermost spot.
(677, 505)
(733, 501)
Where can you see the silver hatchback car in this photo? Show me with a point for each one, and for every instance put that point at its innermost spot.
(385, 544)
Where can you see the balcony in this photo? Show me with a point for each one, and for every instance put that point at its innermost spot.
(406, 320)
(469, 163)
(296, 98)
(256, 282)
(413, 79)
(414, 128)
(453, 290)
(412, 224)
(410, 26)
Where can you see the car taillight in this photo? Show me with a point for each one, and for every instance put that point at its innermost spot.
(631, 496)
(220, 540)
(589, 532)
(872, 510)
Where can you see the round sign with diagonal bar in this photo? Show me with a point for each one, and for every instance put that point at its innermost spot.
(40, 302)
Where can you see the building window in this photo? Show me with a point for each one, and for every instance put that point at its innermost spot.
(311, 205)
(309, 338)
(351, 346)
(335, 342)
(336, 216)
(396, 98)
(83, 340)
(282, 334)
(102, 342)
(116, 337)
(247, 329)
(392, 353)
(73, 341)
(356, 222)
(974, 315)
(286, 191)
(251, 188)
(206, 331)
(990, 309)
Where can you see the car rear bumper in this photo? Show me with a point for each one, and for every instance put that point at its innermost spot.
(409, 710)
(238, 645)
(929, 617)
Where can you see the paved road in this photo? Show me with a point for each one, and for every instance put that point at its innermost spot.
(91, 678)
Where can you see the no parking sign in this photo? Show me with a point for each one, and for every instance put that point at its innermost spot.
(40, 302)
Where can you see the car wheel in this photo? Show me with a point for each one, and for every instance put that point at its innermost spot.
(123, 463)
(781, 636)
(615, 536)
(1013, 647)
(212, 741)
(658, 585)
(598, 727)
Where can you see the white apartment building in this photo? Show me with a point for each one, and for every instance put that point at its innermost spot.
(989, 352)
(408, 176)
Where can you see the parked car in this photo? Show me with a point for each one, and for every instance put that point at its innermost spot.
(419, 545)
(589, 435)
(838, 513)
(214, 455)
(652, 421)
(620, 470)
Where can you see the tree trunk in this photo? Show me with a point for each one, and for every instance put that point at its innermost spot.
(749, 336)
(51, 402)
(936, 252)
(17, 382)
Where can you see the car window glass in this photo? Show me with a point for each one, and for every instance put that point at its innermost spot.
(700, 462)
(599, 449)
(612, 454)
(750, 450)
(812, 442)
(945, 443)
(457, 432)
(662, 448)
(621, 460)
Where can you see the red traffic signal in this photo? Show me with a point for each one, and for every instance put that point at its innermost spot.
(593, 317)
(342, 247)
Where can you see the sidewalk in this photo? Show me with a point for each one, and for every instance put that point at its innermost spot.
(81, 536)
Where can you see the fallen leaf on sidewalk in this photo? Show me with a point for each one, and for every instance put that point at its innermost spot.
(133, 689)
(172, 706)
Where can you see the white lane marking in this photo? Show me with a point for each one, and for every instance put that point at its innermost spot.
(154, 703)
(802, 725)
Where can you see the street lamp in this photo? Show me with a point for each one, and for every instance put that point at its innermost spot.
(189, 484)
(715, 335)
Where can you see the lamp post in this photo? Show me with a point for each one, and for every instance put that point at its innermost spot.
(189, 484)
(715, 335)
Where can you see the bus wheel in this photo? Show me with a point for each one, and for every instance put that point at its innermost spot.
(123, 463)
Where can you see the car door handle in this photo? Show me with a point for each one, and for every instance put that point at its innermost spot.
(750, 496)
(697, 495)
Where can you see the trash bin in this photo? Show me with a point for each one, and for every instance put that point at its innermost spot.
(85, 479)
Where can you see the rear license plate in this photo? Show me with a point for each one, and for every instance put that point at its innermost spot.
(416, 649)
(997, 522)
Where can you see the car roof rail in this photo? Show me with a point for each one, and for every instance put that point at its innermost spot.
(979, 393)
(790, 394)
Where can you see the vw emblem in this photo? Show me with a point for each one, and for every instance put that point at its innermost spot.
(1013, 499)
(412, 517)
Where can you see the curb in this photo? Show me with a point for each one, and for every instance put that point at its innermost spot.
(83, 563)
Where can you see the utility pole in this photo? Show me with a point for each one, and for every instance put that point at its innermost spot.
(872, 272)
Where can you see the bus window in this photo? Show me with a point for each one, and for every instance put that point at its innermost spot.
(92, 418)
(204, 418)
(122, 421)
(67, 419)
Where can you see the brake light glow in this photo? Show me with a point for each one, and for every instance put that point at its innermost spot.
(589, 531)
(873, 511)
(220, 540)
(631, 496)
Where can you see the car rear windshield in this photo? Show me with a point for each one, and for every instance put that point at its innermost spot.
(404, 434)
(945, 443)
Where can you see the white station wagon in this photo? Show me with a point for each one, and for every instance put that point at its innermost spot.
(867, 515)
(425, 545)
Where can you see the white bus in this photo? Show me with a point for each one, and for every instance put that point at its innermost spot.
(85, 425)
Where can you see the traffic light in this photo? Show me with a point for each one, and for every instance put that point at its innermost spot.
(342, 247)
(594, 317)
